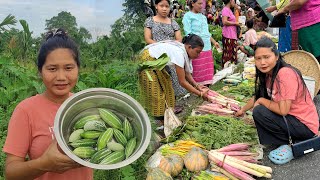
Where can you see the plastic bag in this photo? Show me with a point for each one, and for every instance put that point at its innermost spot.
(171, 121)
(155, 159)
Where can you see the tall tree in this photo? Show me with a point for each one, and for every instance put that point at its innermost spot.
(26, 38)
(63, 20)
(68, 22)
(133, 7)
(9, 20)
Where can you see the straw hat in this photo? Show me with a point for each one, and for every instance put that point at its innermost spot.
(307, 64)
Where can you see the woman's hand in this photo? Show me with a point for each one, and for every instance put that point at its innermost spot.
(217, 45)
(257, 103)
(53, 160)
(204, 93)
(239, 113)
(201, 87)
(271, 9)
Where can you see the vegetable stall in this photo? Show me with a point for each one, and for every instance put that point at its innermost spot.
(211, 143)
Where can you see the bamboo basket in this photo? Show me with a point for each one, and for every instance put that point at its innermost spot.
(307, 64)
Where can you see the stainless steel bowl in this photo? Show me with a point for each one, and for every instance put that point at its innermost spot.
(84, 103)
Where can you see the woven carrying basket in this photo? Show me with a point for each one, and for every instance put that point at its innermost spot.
(306, 63)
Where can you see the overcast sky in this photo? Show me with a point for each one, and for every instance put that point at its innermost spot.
(94, 15)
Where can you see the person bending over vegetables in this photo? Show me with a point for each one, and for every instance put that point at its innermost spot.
(155, 83)
(280, 91)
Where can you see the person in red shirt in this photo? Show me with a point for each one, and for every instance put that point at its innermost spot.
(31, 149)
(280, 91)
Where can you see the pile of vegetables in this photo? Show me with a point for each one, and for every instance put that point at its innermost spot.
(92, 138)
(215, 132)
(231, 162)
(234, 161)
(240, 151)
(249, 71)
(233, 79)
(244, 89)
(204, 175)
(220, 105)
(180, 147)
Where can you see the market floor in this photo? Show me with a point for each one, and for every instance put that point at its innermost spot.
(304, 168)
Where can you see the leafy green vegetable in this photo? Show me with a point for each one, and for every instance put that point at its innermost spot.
(214, 131)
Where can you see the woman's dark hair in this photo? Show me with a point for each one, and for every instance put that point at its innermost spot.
(249, 23)
(193, 40)
(257, 8)
(158, 1)
(226, 1)
(54, 40)
(190, 3)
(260, 82)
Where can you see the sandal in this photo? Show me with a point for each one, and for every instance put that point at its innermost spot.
(178, 109)
(281, 155)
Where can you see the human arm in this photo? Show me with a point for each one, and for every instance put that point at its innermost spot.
(226, 22)
(186, 80)
(51, 161)
(282, 107)
(186, 21)
(148, 36)
(246, 107)
(293, 5)
(246, 39)
(215, 43)
(178, 36)
(177, 32)
(271, 9)
(258, 17)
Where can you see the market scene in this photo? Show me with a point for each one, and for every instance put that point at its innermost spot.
(209, 90)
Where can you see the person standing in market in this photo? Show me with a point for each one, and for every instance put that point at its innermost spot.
(276, 97)
(161, 28)
(229, 33)
(157, 93)
(305, 18)
(194, 22)
(284, 32)
(32, 152)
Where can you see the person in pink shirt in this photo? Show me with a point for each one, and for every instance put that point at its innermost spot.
(31, 149)
(229, 33)
(250, 39)
(305, 18)
(280, 92)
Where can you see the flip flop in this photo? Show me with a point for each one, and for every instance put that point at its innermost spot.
(178, 109)
(281, 155)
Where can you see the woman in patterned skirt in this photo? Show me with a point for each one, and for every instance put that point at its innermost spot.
(196, 23)
(229, 33)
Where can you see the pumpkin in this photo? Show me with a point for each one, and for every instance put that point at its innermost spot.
(172, 164)
(158, 174)
(196, 160)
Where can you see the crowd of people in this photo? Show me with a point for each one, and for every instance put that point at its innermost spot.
(32, 152)
(272, 99)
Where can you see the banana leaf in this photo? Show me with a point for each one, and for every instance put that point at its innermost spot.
(158, 64)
